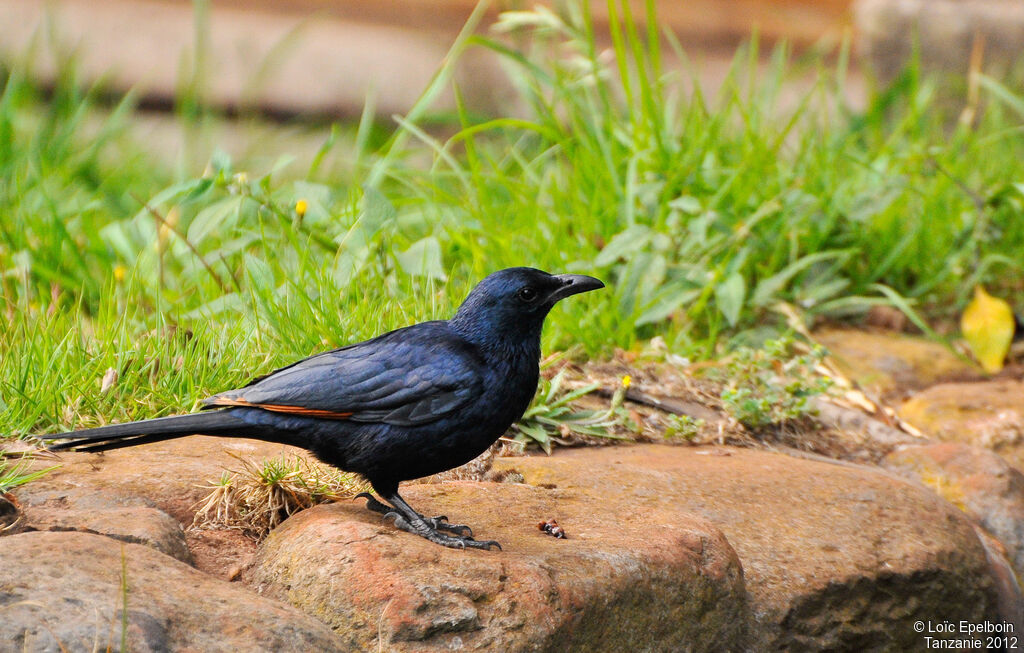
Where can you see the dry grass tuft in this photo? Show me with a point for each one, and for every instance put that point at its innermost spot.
(259, 496)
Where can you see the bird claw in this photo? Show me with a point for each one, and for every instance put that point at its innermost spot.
(487, 544)
(401, 522)
(440, 523)
(430, 527)
(424, 529)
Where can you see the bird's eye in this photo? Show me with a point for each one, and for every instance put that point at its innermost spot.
(527, 294)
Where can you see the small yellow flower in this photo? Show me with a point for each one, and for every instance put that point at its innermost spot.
(119, 272)
(626, 381)
(301, 207)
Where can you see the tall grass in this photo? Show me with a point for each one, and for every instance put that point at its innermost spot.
(701, 213)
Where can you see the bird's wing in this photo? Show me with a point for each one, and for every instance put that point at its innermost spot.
(410, 376)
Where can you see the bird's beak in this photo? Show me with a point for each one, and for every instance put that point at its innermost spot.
(573, 284)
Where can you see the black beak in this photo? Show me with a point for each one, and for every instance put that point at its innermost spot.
(573, 284)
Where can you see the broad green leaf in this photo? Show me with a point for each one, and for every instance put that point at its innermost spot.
(729, 296)
(767, 290)
(686, 204)
(812, 295)
(377, 210)
(116, 235)
(260, 275)
(623, 244)
(423, 258)
(666, 304)
(220, 216)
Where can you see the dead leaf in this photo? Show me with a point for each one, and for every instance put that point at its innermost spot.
(109, 379)
(988, 325)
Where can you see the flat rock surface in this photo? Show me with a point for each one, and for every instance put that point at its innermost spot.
(625, 579)
(82, 592)
(174, 476)
(836, 557)
(886, 364)
(987, 414)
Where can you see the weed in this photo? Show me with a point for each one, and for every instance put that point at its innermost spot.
(683, 427)
(774, 384)
(552, 416)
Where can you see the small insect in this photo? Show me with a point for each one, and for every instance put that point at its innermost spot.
(552, 528)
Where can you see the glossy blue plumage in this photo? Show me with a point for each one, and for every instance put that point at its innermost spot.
(409, 403)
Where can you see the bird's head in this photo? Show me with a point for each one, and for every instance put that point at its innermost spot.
(511, 304)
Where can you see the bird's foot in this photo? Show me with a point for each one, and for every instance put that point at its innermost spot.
(424, 529)
(439, 523)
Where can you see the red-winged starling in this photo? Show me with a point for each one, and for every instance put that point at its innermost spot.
(412, 402)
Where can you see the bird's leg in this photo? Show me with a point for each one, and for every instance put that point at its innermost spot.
(439, 522)
(411, 521)
(373, 504)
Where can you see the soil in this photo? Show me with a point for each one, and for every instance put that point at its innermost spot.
(223, 554)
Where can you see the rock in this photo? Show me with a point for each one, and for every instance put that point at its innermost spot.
(629, 577)
(126, 518)
(975, 480)
(835, 556)
(128, 493)
(1010, 596)
(886, 364)
(866, 433)
(944, 31)
(70, 591)
(987, 414)
(172, 475)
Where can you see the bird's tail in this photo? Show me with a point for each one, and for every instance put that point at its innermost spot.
(115, 436)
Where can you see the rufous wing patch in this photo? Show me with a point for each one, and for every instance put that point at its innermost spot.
(278, 408)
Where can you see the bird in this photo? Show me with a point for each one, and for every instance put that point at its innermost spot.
(412, 402)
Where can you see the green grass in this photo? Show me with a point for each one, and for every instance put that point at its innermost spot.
(701, 215)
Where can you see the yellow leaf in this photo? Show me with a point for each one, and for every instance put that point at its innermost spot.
(988, 325)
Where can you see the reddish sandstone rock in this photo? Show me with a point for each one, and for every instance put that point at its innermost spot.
(172, 475)
(69, 591)
(887, 363)
(977, 481)
(987, 414)
(626, 579)
(126, 518)
(835, 556)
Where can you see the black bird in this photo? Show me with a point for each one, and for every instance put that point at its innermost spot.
(412, 402)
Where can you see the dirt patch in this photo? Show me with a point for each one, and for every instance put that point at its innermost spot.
(223, 554)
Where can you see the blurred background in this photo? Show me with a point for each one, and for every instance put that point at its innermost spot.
(324, 57)
(218, 186)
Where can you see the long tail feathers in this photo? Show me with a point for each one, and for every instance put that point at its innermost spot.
(116, 436)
